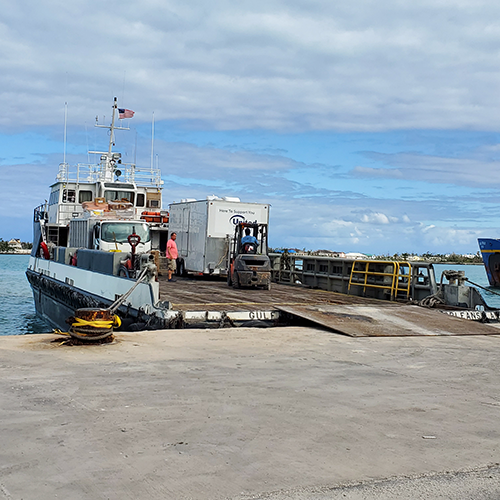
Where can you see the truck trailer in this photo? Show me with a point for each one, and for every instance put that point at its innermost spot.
(205, 229)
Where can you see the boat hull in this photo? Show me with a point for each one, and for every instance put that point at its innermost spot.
(56, 302)
(490, 252)
(59, 290)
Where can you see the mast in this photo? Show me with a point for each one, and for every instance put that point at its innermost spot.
(112, 128)
(108, 159)
(65, 128)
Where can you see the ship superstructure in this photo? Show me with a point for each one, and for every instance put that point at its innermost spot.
(110, 188)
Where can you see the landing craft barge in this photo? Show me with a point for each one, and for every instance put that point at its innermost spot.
(97, 246)
(344, 295)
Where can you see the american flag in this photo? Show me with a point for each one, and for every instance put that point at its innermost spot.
(125, 113)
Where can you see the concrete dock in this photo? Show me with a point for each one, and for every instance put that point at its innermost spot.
(295, 413)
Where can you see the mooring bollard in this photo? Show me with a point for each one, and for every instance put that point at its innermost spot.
(93, 324)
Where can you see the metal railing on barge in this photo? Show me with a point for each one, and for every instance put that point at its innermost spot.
(381, 279)
(386, 275)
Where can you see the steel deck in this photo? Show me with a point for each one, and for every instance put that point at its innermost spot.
(345, 314)
(202, 293)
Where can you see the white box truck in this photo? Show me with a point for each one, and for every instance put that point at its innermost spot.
(205, 228)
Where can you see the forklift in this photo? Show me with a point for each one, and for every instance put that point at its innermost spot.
(249, 264)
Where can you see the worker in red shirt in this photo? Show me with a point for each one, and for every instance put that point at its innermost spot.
(172, 255)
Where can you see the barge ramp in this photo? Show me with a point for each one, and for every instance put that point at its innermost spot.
(202, 300)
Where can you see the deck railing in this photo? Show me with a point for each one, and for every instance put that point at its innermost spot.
(388, 276)
(93, 172)
(371, 278)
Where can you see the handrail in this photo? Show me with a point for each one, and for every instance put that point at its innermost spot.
(395, 275)
(407, 276)
(401, 280)
(92, 172)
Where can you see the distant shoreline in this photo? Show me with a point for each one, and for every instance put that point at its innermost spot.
(456, 263)
(28, 252)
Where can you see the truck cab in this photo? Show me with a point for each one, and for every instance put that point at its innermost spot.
(114, 236)
(109, 235)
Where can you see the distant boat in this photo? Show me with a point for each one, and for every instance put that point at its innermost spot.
(490, 252)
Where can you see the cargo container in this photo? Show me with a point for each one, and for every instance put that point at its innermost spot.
(205, 228)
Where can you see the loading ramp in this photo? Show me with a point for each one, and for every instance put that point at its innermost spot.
(201, 299)
(388, 320)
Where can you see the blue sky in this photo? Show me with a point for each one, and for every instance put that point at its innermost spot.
(368, 126)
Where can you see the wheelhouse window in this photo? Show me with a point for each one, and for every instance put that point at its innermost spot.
(140, 200)
(119, 231)
(119, 196)
(84, 196)
(69, 196)
(54, 197)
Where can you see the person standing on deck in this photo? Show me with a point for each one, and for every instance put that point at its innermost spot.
(172, 255)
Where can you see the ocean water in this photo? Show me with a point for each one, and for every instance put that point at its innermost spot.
(17, 310)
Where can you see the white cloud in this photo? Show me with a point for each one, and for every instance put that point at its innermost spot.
(273, 64)
(438, 238)
(479, 171)
(375, 218)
